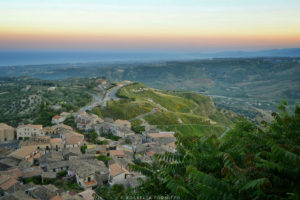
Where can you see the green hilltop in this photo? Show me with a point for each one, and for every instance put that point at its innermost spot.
(186, 112)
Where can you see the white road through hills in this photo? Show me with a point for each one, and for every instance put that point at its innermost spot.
(110, 94)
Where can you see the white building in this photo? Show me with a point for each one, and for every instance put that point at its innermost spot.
(29, 130)
(58, 119)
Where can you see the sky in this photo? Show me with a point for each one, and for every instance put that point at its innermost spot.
(154, 25)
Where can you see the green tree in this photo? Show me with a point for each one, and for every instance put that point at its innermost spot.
(117, 191)
(248, 163)
(45, 115)
(83, 149)
(104, 158)
(92, 136)
(70, 121)
(97, 111)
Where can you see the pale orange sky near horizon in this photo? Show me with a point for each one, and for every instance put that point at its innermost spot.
(172, 25)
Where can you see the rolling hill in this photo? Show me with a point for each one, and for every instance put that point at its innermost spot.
(186, 112)
(252, 87)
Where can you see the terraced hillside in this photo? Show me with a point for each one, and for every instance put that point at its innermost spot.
(186, 112)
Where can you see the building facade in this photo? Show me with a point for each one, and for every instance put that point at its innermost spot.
(7, 133)
(29, 130)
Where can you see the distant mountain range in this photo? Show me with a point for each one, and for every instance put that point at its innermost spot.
(59, 57)
(291, 52)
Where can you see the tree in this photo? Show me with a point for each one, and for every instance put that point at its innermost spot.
(45, 115)
(83, 149)
(70, 121)
(97, 111)
(104, 158)
(249, 162)
(117, 191)
(92, 136)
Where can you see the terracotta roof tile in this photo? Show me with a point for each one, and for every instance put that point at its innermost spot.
(150, 153)
(40, 127)
(93, 182)
(115, 169)
(6, 182)
(14, 173)
(117, 153)
(55, 140)
(23, 151)
(5, 126)
(56, 117)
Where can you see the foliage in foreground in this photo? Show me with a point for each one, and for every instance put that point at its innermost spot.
(248, 163)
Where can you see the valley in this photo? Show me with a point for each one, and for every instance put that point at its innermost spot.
(252, 87)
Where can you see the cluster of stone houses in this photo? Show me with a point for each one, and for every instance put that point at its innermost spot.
(46, 152)
(91, 122)
(86, 121)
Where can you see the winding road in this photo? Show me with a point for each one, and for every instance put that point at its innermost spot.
(143, 115)
(223, 134)
(110, 94)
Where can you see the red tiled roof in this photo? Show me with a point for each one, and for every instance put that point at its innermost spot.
(23, 151)
(56, 117)
(40, 127)
(115, 169)
(7, 182)
(5, 126)
(150, 153)
(14, 173)
(90, 182)
(116, 153)
(55, 140)
(37, 155)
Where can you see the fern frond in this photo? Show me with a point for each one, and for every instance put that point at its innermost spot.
(145, 171)
(256, 184)
(197, 176)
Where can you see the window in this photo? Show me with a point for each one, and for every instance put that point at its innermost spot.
(89, 179)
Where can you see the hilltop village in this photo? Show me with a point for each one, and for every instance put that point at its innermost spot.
(63, 162)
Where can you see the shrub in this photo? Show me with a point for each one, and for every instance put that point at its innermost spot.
(62, 173)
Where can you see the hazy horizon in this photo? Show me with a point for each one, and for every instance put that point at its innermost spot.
(135, 25)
